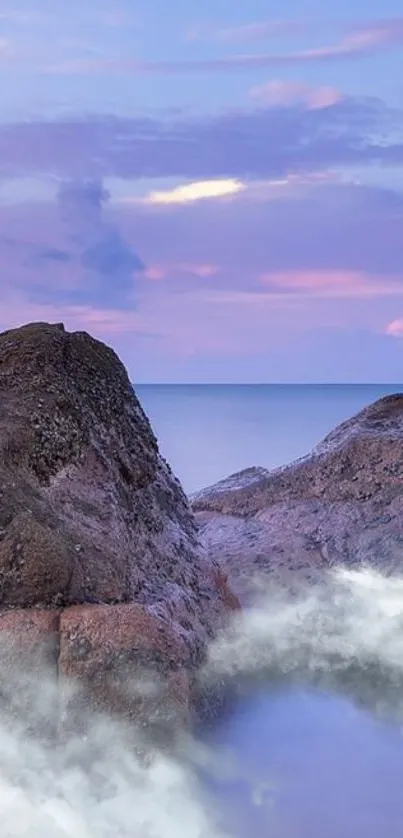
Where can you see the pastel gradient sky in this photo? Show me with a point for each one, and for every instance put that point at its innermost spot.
(215, 190)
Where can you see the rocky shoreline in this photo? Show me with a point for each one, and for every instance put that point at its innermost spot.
(113, 584)
(342, 504)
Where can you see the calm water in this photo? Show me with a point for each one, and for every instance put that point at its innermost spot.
(308, 764)
(207, 432)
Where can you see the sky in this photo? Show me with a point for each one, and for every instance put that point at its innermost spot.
(215, 191)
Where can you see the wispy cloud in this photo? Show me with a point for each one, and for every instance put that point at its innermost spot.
(16, 16)
(330, 284)
(356, 42)
(287, 93)
(254, 30)
(395, 328)
(117, 18)
(386, 30)
(158, 272)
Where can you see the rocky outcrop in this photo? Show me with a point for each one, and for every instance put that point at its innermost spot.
(343, 503)
(91, 516)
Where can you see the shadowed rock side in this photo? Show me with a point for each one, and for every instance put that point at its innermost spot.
(343, 503)
(90, 513)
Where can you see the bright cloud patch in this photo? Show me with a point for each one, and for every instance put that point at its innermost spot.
(196, 191)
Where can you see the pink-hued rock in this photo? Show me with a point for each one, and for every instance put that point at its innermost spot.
(30, 637)
(59, 667)
(89, 510)
(125, 661)
(341, 504)
(29, 654)
(92, 516)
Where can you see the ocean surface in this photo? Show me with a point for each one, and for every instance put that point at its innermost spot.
(304, 761)
(207, 432)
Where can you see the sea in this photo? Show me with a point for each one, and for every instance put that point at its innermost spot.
(302, 759)
(209, 431)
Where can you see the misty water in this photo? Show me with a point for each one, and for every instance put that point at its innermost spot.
(309, 763)
(312, 744)
(309, 745)
(316, 749)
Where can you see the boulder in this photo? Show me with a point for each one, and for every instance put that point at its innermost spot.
(91, 515)
(341, 504)
(123, 659)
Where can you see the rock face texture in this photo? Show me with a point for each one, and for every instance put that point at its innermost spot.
(90, 513)
(341, 504)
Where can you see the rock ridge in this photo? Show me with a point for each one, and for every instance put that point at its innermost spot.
(340, 504)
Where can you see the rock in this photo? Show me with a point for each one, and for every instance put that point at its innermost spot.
(29, 653)
(341, 504)
(126, 661)
(90, 513)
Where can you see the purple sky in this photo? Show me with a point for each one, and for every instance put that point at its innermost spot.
(217, 195)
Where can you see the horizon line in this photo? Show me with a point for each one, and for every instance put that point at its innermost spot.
(268, 383)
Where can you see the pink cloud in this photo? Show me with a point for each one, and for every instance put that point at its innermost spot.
(244, 275)
(159, 272)
(395, 328)
(156, 273)
(329, 284)
(288, 93)
(203, 271)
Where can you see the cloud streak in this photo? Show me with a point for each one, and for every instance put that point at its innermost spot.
(254, 30)
(287, 93)
(291, 139)
(329, 284)
(382, 30)
(358, 41)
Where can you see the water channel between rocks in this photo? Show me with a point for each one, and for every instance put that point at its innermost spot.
(298, 762)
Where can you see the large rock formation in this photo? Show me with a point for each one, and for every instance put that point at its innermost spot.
(341, 504)
(91, 516)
